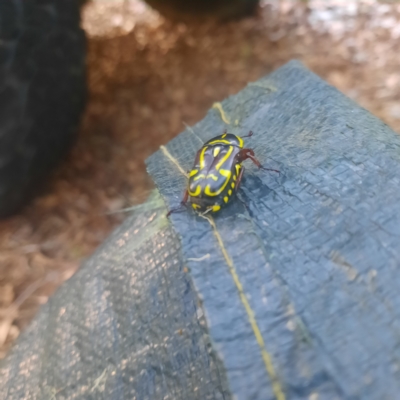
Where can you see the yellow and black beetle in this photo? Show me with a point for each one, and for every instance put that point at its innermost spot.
(217, 172)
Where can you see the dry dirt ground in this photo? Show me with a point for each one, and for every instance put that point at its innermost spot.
(147, 75)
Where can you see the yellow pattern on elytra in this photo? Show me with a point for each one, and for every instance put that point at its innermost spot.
(195, 193)
(229, 192)
(269, 366)
(199, 177)
(218, 141)
(195, 206)
(226, 199)
(216, 208)
(173, 159)
(224, 158)
(218, 106)
(233, 185)
(202, 161)
(216, 151)
(234, 177)
(222, 141)
(237, 166)
(227, 174)
(193, 172)
(224, 135)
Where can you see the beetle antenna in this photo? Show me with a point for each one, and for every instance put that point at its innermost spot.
(249, 134)
(178, 209)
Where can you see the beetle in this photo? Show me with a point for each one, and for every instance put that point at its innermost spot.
(217, 173)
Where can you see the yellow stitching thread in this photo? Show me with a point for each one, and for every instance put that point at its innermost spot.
(174, 160)
(205, 257)
(218, 106)
(192, 131)
(276, 386)
(264, 85)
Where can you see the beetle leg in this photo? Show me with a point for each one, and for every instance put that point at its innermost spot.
(239, 179)
(245, 154)
(185, 198)
(182, 205)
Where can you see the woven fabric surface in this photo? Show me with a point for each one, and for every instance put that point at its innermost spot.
(300, 291)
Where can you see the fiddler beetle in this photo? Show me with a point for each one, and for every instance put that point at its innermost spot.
(217, 172)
